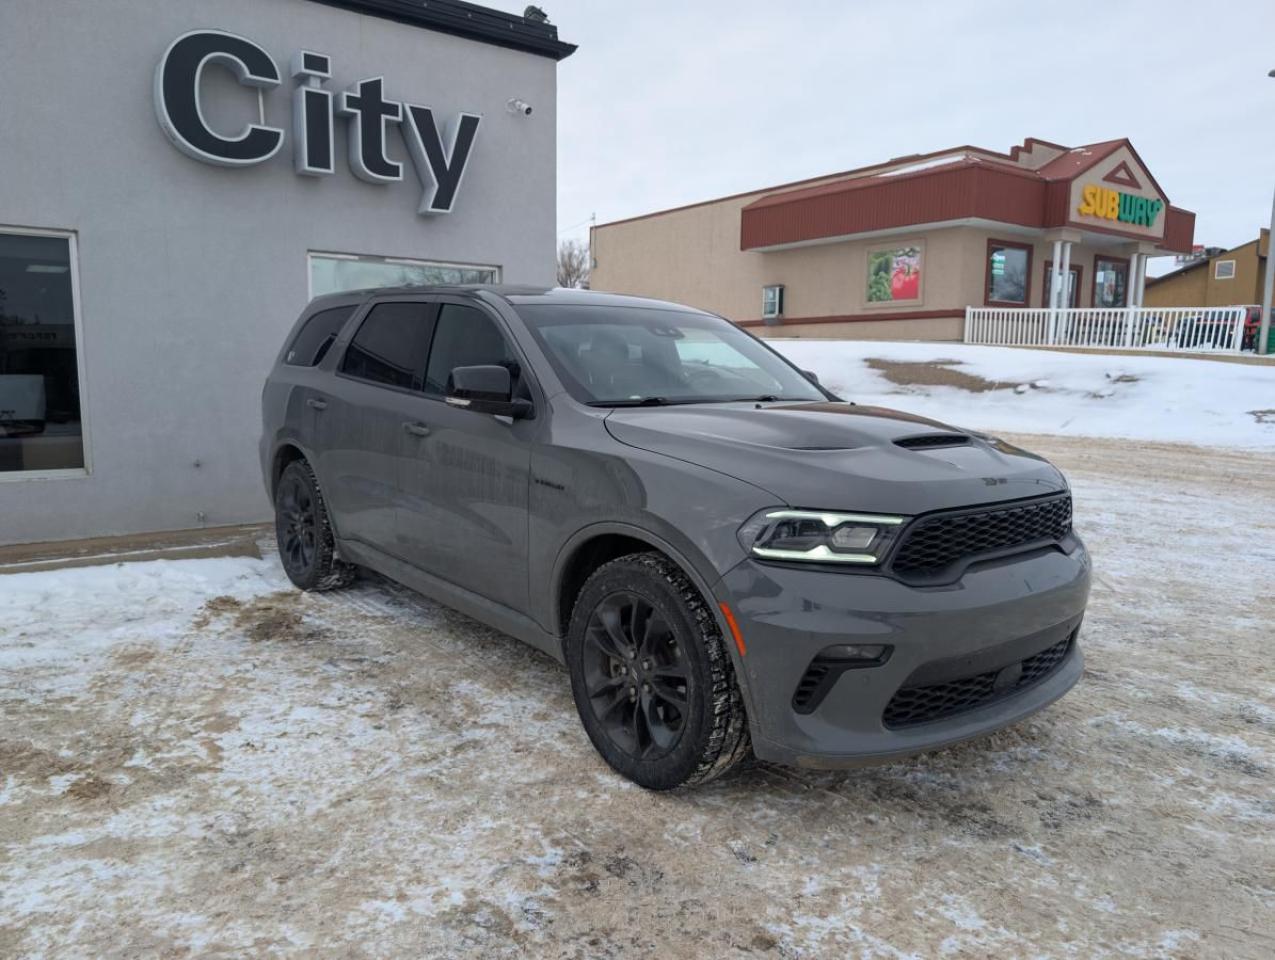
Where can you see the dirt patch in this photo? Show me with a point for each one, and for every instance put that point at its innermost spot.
(91, 787)
(216, 607)
(275, 617)
(133, 657)
(1123, 378)
(1263, 416)
(26, 760)
(936, 373)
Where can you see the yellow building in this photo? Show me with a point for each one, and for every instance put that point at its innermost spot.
(1231, 277)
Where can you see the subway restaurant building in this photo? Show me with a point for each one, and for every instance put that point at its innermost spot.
(899, 250)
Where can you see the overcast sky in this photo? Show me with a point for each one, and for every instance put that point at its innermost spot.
(667, 103)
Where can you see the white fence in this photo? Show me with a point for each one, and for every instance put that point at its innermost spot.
(1146, 328)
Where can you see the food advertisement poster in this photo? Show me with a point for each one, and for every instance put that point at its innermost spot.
(894, 274)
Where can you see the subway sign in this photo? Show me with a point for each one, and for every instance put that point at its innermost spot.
(439, 157)
(1123, 207)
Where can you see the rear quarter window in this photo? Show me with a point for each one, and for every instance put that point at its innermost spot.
(316, 337)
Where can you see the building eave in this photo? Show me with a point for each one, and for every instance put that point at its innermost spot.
(468, 20)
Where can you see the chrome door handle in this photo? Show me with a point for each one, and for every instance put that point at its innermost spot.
(316, 403)
(416, 429)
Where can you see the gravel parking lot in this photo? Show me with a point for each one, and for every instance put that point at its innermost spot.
(195, 760)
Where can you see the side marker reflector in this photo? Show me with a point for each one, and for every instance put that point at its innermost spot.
(734, 628)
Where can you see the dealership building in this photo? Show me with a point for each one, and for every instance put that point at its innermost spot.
(899, 250)
(182, 176)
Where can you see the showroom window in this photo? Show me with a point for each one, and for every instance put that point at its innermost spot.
(335, 272)
(1110, 281)
(40, 429)
(1008, 273)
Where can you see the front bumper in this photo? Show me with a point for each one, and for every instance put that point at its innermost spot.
(996, 615)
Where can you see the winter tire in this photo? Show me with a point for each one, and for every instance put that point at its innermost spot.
(304, 532)
(651, 676)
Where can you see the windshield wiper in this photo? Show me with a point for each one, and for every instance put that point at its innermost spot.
(633, 402)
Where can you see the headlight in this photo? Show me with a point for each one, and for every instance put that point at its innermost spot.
(820, 536)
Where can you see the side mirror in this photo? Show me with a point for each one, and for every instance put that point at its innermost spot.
(486, 389)
(811, 376)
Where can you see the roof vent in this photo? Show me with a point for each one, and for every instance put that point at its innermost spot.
(932, 441)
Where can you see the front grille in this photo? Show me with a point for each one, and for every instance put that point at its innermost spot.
(933, 543)
(913, 705)
(931, 441)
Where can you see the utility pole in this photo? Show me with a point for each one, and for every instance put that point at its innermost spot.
(1264, 328)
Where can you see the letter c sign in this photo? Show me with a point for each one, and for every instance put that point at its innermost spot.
(177, 97)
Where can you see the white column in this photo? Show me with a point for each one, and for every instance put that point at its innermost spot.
(1054, 272)
(1142, 278)
(1066, 275)
(1131, 285)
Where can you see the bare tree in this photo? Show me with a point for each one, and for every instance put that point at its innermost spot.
(573, 264)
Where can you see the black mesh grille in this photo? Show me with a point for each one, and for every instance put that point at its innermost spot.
(913, 705)
(929, 441)
(936, 542)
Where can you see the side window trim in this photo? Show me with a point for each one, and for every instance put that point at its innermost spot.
(341, 345)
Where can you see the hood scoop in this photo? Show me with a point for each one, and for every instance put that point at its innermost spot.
(932, 441)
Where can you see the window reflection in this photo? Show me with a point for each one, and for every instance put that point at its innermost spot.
(39, 373)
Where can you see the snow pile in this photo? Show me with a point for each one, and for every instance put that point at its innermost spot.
(91, 609)
(1168, 399)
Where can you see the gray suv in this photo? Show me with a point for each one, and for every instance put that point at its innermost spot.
(730, 560)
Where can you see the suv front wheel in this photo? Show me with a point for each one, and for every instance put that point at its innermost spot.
(651, 675)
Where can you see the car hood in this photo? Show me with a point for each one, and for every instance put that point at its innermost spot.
(840, 456)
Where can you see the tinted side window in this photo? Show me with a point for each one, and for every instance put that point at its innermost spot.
(316, 336)
(465, 337)
(390, 345)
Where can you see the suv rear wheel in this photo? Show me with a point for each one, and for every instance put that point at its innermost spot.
(304, 532)
(651, 676)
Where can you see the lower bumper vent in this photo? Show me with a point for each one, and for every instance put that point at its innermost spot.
(914, 705)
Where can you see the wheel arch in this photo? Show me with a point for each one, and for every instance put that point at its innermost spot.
(286, 452)
(591, 546)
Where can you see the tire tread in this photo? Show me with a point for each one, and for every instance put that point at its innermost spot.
(728, 742)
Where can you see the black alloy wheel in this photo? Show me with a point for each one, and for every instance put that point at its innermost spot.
(652, 676)
(297, 523)
(637, 682)
(307, 546)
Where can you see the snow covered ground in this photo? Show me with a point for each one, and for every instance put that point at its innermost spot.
(1169, 399)
(197, 760)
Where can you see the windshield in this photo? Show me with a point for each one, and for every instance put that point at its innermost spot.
(627, 356)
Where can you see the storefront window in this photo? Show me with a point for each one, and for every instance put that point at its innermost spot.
(39, 367)
(1110, 280)
(1073, 286)
(1008, 273)
(333, 273)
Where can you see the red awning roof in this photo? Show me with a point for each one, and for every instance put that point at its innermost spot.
(976, 184)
